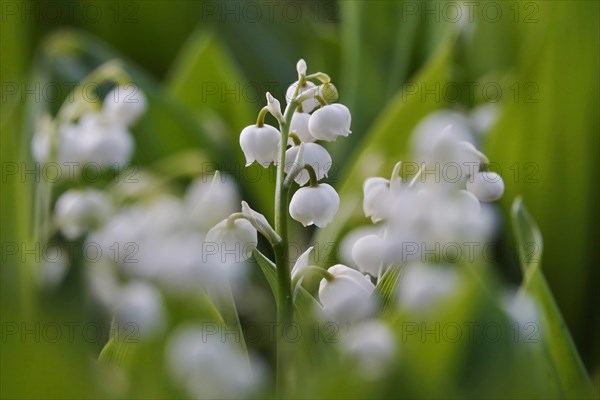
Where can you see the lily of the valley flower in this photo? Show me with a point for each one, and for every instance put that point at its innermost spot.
(369, 254)
(233, 237)
(308, 104)
(299, 126)
(424, 286)
(124, 104)
(140, 304)
(346, 296)
(377, 198)
(217, 193)
(486, 186)
(329, 122)
(77, 211)
(260, 144)
(315, 205)
(96, 140)
(314, 155)
(370, 344)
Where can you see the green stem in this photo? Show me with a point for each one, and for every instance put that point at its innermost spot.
(260, 120)
(285, 311)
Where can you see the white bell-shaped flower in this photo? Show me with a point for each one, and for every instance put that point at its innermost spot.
(299, 126)
(315, 205)
(371, 345)
(487, 186)
(329, 122)
(346, 297)
(260, 144)
(139, 306)
(97, 141)
(369, 254)
(377, 198)
(210, 199)
(235, 240)
(314, 155)
(207, 365)
(77, 211)
(124, 104)
(307, 105)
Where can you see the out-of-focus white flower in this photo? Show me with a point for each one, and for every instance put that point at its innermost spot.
(314, 155)
(124, 104)
(369, 254)
(307, 105)
(299, 126)
(315, 205)
(484, 117)
(260, 144)
(433, 128)
(235, 240)
(348, 242)
(301, 263)
(207, 366)
(377, 198)
(329, 122)
(372, 347)
(424, 286)
(524, 312)
(77, 211)
(487, 186)
(95, 140)
(210, 199)
(346, 297)
(139, 305)
(53, 267)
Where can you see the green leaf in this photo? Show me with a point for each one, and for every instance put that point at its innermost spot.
(386, 143)
(556, 339)
(269, 270)
(386, 288)
(546, 144)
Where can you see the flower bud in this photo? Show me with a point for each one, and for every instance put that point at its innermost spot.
(377, 198)
(77, 211)
(124, 104)
(329, 122)
(346, 297)
(260, 144)
(299, 126)
(238, 234)
(329, 92)
(314, 155)
(315, 205)
(486, 186)
(307, 105)
(274, 107)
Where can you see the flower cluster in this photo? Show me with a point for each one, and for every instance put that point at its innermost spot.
(93, 135)
(307, 162)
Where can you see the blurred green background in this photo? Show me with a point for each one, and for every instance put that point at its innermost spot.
(205, 66)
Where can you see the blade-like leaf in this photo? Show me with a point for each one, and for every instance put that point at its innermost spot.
(386, 288)
(269, 270)
(556, 339)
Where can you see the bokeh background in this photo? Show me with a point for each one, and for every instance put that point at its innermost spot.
(205, 66)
